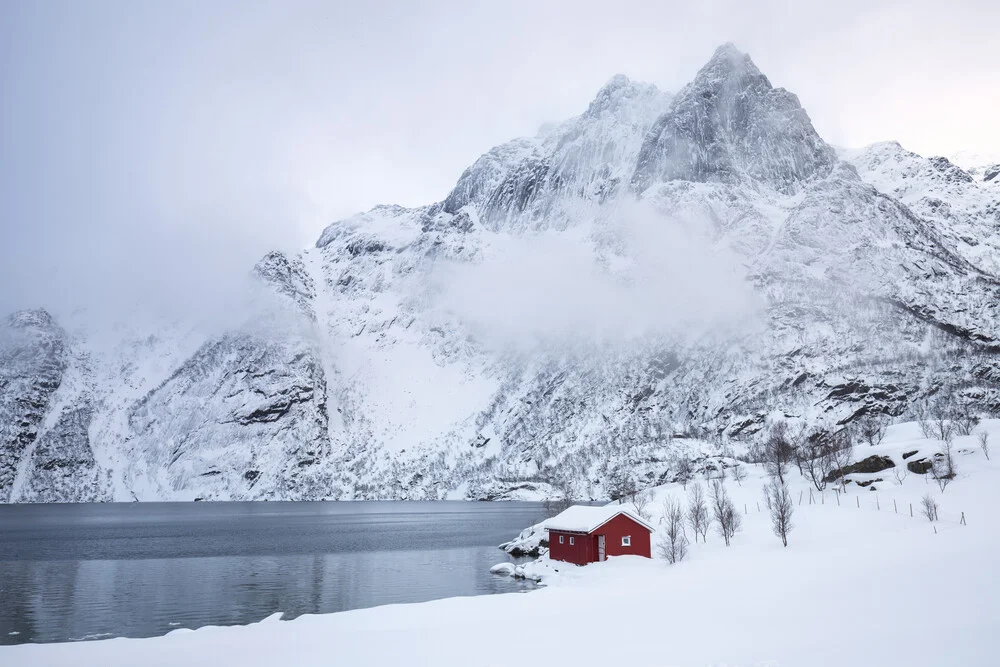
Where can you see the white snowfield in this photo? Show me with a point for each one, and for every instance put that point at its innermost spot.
(856, 586)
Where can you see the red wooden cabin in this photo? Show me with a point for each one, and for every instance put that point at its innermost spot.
(584, 534)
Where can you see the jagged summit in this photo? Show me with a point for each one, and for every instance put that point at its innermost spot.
(542, 181)
(731, 125)
(729, 61)
(36, 318)
(619, 90)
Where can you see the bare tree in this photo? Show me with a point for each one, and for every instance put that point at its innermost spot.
(727, 519)
(554, 506)
(984, 444)
(930, 507)
(739, 473)
(820, 457)
(697, 513)
(943, 467)
(683, 474)
(620, 484)
(843, 452)
(899, 473)
(640, 502)
(921, 413)
(965, 421)
(779, 502)
(778, 451)
(942, 424)
(872, 427)
(673, 543)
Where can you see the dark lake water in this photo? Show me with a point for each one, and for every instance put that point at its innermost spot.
(73, 572)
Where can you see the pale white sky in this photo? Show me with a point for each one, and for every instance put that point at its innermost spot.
(164, 146)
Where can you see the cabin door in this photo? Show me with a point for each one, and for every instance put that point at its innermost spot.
(600, 548)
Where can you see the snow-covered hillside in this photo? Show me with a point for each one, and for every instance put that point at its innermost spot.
(697, 264)
(860, 580)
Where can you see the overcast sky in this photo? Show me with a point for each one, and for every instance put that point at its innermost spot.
(161, 147)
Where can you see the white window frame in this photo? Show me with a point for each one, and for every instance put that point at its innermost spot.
(626, 540)
(572, 540)
(561, 538)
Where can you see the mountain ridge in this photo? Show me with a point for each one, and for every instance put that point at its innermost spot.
(369, 375)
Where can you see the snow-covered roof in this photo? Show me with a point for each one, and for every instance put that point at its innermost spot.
(585, 519)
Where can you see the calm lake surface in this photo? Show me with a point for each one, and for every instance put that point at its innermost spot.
(75, 572)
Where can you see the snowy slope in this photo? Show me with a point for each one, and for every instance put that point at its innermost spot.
(860, 580)
(656, 268)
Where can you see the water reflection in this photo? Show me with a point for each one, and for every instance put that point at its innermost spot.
(304, 562)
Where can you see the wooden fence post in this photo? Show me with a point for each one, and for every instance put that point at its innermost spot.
(894, 508)
(878, 505)
(858, 498)
(911, 510)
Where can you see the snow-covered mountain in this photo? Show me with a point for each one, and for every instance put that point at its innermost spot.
(702, 263)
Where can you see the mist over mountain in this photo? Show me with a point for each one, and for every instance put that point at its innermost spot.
(661, 265)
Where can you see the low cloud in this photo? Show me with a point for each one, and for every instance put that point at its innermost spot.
(636, 276)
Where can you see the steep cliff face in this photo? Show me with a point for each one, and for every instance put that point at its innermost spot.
(563, 175)
(710, 262)
(730, 125)
(32, 363)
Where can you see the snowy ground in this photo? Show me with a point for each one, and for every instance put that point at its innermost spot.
(857, 585)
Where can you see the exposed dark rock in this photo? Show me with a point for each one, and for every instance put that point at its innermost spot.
(872, 464)
(920, 466)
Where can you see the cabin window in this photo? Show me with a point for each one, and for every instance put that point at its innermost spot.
(561, 539)
(626, 540)
(571, 540)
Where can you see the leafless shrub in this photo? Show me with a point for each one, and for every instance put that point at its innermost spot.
(673, 543)
(697, 512)
(640, 503)
(943, 469)
(739, 473)
(942, 419)
(727, 519)
(921, 412)
(929, 507)
(779, 503)
(843, 452)
(984, 444)
(871, 428)
(965, 421)
(899, 473)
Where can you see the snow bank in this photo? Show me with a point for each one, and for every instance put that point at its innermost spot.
(533, 541)
(504, 569)
(861, 582)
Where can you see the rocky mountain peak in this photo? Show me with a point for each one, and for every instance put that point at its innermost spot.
(618, 92)
(31, 319)
(731, 125)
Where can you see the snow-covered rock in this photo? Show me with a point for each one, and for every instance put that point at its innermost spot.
(503, 569)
